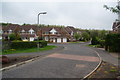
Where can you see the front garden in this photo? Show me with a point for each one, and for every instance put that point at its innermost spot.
(11, 47)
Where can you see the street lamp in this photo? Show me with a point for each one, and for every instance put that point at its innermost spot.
(38, 23)
(39, 14)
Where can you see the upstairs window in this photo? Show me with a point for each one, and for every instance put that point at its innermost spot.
(23, 31)
(31, 31)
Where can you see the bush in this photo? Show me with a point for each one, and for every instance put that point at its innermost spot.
(43, 43)
(27, 44)
(95, 41)
(85, 36)
(102, 43)
(12, 37)
(5, 45)
(112, 42)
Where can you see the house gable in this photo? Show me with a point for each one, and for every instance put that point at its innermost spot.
(31, 31)
(53, 31)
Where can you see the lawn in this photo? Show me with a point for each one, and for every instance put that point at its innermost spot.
(12, 51)
(93, 45)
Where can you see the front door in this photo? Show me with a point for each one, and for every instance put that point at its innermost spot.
(55, 39)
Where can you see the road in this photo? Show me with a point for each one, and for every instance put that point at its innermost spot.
(74, 61)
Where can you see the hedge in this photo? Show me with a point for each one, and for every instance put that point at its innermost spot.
(112, 42)
(95, 41)
(27, 44)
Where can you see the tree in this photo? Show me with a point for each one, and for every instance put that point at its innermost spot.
(95, 40)
(17, 35)
(85, 36)
(115, 9)
(77, 36)
(112, 9)
(12, 37)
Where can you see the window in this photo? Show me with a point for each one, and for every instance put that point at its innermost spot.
(31, 31)
(10, 31)
(23, 31)
(46, 32)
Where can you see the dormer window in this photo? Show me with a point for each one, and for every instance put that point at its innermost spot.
(53, 31)
(31, 31)
(23, 31)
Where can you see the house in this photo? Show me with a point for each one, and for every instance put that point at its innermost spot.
(32, 32)
(26, 32)
(55, 34)
(116, 27)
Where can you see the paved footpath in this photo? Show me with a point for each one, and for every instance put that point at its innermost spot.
(74, 61)
(106, 56)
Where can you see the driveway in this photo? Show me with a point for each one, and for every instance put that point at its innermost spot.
(74, 61)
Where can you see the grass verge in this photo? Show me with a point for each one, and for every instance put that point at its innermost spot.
(97, 46)
(13, 51)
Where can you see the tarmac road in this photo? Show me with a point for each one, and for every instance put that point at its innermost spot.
(74, 61)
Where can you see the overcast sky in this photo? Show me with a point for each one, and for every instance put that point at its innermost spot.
(85, 15)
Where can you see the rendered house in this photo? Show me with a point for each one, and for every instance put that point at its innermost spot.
(32, 32)
(55, 34)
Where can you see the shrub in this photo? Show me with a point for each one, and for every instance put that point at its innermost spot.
(112, 42)
(43, 43)
(86, 36)
(102, 43)
(12, 37)
(95, 41)
(27, 44)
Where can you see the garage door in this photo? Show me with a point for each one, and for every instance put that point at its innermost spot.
(64, 39)
(58, 40)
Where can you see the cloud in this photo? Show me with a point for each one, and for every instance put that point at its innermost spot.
(79, 14)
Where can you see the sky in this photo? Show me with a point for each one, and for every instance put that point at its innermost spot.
(80, 14)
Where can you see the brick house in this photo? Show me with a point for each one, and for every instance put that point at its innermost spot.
(116, 27)
(32, 32)
(26, 32)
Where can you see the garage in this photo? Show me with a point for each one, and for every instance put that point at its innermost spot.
(58, 40)
(64, 39)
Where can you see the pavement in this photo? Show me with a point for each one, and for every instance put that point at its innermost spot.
(107, 57)
(74, 61)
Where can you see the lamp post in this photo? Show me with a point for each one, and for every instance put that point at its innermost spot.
(39, 14)
(38, 24)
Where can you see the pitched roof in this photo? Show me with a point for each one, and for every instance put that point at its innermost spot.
(72, 28)
(23, 27)
(115, 24)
